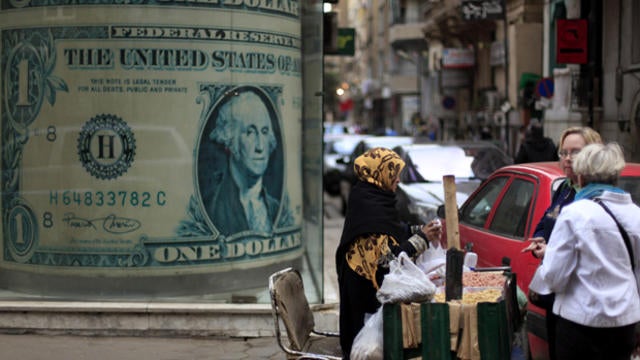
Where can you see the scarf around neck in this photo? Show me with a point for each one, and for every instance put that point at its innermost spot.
(594, 190)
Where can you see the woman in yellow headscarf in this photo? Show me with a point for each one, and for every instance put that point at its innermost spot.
(372, 231)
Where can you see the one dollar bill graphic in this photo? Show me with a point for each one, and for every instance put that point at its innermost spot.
(286, 8)
(151, 148)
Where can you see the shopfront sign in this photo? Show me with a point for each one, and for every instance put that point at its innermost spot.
(457, 58)
(571, 41)
(482, 9)
(346, 41)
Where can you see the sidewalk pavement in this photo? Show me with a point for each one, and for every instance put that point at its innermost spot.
(333, 222)
(63, 347)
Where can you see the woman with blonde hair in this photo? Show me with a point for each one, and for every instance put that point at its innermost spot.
(572, 140)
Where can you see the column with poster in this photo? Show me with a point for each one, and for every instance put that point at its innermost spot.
(162, 145)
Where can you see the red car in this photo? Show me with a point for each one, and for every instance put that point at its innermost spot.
(502, 213)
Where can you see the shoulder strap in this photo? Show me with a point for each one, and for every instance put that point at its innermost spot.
(625, 236)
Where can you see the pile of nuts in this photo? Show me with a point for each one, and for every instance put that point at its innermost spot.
(482, 279)
(474, 297)
(478, 287)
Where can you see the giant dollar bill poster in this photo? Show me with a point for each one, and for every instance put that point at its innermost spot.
(162, 142)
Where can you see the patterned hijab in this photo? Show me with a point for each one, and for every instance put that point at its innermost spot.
(380, 167)
(371, 208)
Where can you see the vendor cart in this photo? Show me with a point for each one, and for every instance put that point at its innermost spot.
(483, 330)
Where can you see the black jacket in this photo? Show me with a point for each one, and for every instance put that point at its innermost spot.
(536, 150)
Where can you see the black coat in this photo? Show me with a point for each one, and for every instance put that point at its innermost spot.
(370, 211)
(536, 150)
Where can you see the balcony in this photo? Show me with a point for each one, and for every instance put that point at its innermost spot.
(407, 35)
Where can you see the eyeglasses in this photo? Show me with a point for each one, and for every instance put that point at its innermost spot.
(568, 153)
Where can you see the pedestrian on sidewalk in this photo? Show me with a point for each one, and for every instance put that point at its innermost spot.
(590, 262)
(536, 147)
(372, 232)
(572, 141)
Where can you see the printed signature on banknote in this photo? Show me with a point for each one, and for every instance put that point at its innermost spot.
(112, 223)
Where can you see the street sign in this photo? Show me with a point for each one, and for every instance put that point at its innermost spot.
(346, 41)
(544, 87)
(572, 39)
(448, 102)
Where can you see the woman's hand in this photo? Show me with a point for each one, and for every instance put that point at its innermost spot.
(433, 230)
(537, 246)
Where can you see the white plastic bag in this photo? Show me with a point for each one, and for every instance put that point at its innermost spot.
(433, 263)
(432, 258)
(368, 344)
(405, 282)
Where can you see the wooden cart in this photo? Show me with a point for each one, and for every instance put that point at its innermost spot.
(496, 324)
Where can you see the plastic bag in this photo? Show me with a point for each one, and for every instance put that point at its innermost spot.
(433, 263)
(405, 282)
(432, 259)
(368, 344)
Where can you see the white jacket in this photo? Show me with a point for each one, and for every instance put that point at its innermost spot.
(587, 264)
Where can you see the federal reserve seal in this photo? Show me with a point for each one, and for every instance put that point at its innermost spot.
(106, 146)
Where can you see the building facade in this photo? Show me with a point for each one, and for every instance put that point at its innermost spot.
(484, 69)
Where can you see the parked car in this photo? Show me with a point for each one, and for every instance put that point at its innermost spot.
(421, 190)
(334, 129)
(348, 177)
(337, 147)
(503, 212)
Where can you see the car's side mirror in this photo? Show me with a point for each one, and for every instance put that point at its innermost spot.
(440, 211)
